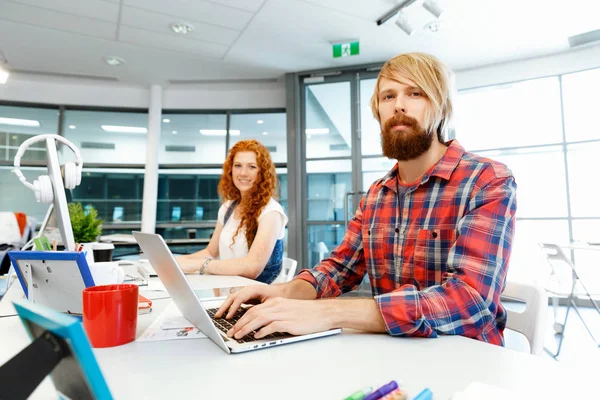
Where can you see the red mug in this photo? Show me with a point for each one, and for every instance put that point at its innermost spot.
(110, 314)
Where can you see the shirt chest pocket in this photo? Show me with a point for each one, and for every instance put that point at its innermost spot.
(380, 249)
(432, 247)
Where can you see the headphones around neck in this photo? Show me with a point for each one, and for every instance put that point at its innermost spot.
(42, 186)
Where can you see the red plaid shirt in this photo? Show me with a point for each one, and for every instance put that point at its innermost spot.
(436, 251)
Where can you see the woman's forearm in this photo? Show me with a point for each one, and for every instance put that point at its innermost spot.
(204, 253)
(235, 266)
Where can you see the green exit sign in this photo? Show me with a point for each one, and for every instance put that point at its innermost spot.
(345, 49)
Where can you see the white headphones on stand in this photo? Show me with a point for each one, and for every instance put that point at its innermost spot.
(42, 186)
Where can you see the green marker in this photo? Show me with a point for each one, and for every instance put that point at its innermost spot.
(361, 394)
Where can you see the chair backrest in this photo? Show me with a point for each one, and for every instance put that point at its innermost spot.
(553, 252)
(288, 270)
(531, 322)
(562, 270)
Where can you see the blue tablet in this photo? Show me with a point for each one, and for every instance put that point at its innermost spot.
(77, 375)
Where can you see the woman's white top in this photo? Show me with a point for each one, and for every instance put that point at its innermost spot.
(240, 247)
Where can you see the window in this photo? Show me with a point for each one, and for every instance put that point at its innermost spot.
(188, 197)
(267, 128)
(523, 122)
(328, 121)
(581, 158)
(513, 115)
(18, 124)
(16, 197)
(192, 139)
(327, 190)
(115, 194)
(108, 137)
(369, 127)
(581, 107)
(540, 176)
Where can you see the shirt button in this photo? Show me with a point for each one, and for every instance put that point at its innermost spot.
(369, 232)
(397, 230)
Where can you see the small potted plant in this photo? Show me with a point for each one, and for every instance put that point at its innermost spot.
(85, 223)
(87, 227)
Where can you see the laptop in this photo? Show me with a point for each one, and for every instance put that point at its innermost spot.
(160, 257)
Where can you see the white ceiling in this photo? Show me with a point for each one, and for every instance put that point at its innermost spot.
(263, 39)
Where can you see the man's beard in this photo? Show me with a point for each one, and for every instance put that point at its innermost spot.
(406, 144)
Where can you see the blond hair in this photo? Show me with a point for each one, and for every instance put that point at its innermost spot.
(432, 77)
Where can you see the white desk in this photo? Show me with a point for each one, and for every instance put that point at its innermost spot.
(327, 368)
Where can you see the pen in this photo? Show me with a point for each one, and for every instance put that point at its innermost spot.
(425, 394)
(361, 394)
(382, 391)
(395, 395)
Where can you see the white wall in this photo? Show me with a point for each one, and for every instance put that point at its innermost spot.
(82, 92)
(572, 61)
(216, 96)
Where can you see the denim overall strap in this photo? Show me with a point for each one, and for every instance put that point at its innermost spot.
(273, 267)
(229, 212)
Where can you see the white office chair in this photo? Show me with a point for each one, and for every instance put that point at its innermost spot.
(288, 270)
(531, 322)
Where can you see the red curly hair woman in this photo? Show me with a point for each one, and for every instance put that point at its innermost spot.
(248, 238)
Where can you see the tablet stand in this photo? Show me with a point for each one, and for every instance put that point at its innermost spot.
(22, 374)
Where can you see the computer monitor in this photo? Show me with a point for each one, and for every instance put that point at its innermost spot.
(176, 214)
(61, 210)
(118, 214)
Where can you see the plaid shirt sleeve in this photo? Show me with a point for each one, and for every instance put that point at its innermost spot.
(467, 301)
(344, 269)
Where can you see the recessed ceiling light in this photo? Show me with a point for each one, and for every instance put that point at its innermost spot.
(174, 132)
(72, 127)
(182, 28)
(260, 121)
(114, 61)
(124, 129)
(166, 120)
(19, 122)
(265, 133)
(219, 132)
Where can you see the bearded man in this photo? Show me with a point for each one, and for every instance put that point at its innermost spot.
(434, 234)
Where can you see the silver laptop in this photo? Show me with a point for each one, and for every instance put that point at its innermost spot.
(183, 295)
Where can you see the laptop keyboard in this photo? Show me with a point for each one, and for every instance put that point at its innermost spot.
(224, 325)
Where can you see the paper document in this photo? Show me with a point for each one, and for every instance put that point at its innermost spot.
(176, 323)
(156, 285)
(170, 325)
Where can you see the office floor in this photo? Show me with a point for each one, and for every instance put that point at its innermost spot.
(578, 349)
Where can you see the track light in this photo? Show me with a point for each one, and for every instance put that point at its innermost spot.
(404, 25)
(433, 7)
